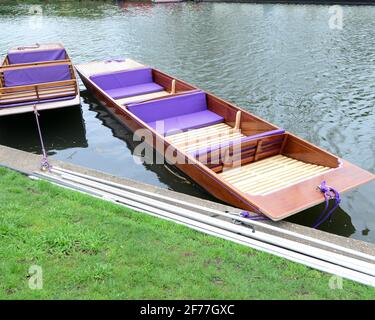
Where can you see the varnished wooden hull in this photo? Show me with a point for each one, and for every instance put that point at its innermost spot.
(276, 205)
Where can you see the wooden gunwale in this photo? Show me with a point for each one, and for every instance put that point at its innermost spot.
(34, 65)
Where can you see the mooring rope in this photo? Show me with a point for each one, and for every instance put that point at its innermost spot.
(44, 164)
(36, 46)
(329, 193)
(257, 217)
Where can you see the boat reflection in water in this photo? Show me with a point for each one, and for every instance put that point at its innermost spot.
(62, 129)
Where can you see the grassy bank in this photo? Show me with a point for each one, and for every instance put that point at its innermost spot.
(89, 248)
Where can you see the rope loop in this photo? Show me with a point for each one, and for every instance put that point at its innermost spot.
(329, 193)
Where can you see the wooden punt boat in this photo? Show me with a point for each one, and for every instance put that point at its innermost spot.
(40, 75)
(233, 154)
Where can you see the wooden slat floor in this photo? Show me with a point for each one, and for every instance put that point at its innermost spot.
(271, 174)
(196, 139)
(142, 97)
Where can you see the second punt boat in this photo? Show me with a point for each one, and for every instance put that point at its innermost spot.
(236, 156)
(41, 76)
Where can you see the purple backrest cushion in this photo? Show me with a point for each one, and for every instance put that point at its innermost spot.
(123, 78)
(203, 151)
(36, 56)
(169, 107)
(36, 75)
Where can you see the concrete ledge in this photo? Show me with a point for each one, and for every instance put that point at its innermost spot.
(27, 163)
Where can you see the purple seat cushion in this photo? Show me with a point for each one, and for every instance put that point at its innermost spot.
(121, 79)
(36, 56)
(128, 83)
(136, 90)
(169, 107)
(36, 75)
(203, 151)
(185, 122)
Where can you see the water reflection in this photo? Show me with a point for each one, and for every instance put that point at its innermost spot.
(62, 129)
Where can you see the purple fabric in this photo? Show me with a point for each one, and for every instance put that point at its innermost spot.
(34, 102)
(23, 56)
(123, 79)
(129, 83)
(155, 110)
(185, 122)
(203, 151)
(36, 75)
(136, 90)
(329, 193)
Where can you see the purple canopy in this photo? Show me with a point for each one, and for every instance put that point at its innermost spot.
(36, 56)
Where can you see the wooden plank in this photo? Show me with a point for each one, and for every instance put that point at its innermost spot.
(270, 174)
(34, 65)
(27, 93)
(142, 97)
(240, 170)
(102, 67)
(190, 133)
(293, 180)
(193, 136)
(212, 140)
(235, 176)
(40, 85)
(259, 179)
(37, 47)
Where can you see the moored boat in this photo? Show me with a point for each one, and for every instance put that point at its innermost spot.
(41, 76)
(236, 156)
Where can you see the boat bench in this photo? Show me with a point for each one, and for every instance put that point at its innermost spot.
(128, 83)
(35, 75)
(176, 114)
(20, 57)
(31, 85)
(241, 151)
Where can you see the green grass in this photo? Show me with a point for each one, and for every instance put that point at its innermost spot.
(92, 249)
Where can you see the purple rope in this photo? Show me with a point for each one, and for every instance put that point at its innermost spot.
(256, 217)
(114, 60)
(44, 162)
(329, 193)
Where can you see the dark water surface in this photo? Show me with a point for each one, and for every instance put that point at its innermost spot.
(281, 62)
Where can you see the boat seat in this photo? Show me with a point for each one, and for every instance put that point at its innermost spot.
(35, 75)
(25, 56)
(178, 113)
(186, 122)
(203, 151)
(136, 90)
(127, 83)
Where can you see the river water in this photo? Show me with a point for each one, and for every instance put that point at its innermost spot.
(281, 62)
